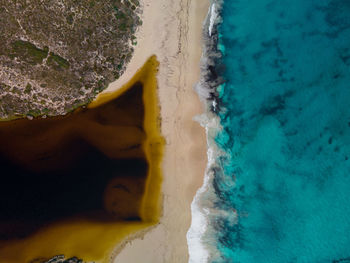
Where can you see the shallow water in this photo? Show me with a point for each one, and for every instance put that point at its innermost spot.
(284, 109)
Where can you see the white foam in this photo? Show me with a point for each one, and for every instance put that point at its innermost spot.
(197, 251)
(200, 251)
(213, 18)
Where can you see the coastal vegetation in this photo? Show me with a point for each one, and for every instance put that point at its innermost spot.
(58, 55)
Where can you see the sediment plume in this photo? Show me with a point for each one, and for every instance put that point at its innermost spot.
(80, 184)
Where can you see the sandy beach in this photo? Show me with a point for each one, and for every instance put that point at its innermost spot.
(172, 31)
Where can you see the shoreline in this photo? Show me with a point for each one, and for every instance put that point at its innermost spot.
(208, 90)
(173, 32)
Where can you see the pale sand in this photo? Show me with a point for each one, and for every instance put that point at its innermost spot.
(172, 30)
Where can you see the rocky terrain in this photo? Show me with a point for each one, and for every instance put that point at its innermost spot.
(56, 55)
(61, 259)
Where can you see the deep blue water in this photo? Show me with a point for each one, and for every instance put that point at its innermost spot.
(285, 112)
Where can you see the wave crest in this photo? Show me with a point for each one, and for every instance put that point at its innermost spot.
(201, 248)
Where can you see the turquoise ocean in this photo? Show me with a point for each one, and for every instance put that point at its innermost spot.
(278, 86)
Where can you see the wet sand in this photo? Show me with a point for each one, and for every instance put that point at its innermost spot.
(172, 31)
